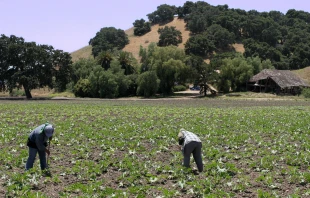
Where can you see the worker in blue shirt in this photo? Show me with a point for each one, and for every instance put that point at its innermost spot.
(37, 143)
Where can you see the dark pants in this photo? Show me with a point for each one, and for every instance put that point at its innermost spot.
(32, 156)
(195, 148)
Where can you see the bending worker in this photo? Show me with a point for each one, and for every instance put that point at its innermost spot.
(37, 143)
(190, 143)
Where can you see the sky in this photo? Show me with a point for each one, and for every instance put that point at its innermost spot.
(69, 24)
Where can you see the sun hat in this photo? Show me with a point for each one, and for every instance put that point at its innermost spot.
(49, 130)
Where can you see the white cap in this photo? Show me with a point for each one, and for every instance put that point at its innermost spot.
(49, 130)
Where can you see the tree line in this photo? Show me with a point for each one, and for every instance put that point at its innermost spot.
(284, 39)
(29, 66)
(271, 40)
(170, 71)
(161, 70)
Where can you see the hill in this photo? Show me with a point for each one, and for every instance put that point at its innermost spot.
(145, 40)
(153, 36)
(84, 52)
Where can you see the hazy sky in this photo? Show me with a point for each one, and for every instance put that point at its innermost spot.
(69, 24)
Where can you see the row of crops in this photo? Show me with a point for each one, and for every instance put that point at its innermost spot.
(115, 148)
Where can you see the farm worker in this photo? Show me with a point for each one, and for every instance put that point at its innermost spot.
(190, 144)
(37, 143)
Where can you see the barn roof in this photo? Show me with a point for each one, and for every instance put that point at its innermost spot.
(284, 78)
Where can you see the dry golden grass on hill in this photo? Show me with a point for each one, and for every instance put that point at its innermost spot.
(84, 52)
(239, 47)
(304, 74)
(136, 41)
(153, 36)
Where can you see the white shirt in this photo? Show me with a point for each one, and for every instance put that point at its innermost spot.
(190, 137)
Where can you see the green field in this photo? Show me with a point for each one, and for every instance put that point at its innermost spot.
(128, 148)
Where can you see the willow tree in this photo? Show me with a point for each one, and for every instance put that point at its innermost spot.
(168, 62)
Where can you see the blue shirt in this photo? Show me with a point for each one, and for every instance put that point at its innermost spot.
(38, 137)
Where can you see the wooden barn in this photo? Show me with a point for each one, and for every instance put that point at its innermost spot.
(276, 81)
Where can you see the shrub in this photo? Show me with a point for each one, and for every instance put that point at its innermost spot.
(82, 88)
(179, 88)
(70, 87)
(109, 87)
(306, 92)
(17, 92)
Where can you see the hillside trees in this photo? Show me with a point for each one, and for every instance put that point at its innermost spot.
(28, 65)
(261, 49)
(302, 15)
(164, 14)
(108, 38)
(232, 21)
(197, 23)
(201, 17)
(141, 27)
(200, 45)
(169, 36)
(222, 37)
(276, 16)
(296, 48)
(271, 35)
(184, 10)
(254, 26)
(282, 38)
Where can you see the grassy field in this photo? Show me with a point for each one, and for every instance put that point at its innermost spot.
(128, 148)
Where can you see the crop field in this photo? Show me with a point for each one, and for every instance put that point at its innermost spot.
(129, 148)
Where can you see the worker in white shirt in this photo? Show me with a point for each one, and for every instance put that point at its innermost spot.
(190, 144)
